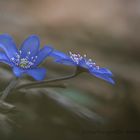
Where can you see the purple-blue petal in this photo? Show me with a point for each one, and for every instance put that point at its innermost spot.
(43, 53)
(62, 58)
(100, 71)
(8, 45)
(59, 55)
(30, 44)
(4, 58)
(83, 64)
(66, 62)
(37, 73)
(105, 71)
(103, 76)
(18, 71)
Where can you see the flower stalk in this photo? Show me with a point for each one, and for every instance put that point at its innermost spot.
(45, 83)
(8, 89)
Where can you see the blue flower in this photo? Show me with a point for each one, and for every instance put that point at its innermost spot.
(83, 62)
(26, 59)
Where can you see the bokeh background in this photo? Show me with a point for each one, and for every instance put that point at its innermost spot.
(108, 31)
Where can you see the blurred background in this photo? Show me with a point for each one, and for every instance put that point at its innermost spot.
(89, 108)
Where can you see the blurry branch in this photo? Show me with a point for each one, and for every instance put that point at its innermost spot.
(4, 106)
(73, 106)
(25, 86)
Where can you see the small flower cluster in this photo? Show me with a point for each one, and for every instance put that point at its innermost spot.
(28, 57)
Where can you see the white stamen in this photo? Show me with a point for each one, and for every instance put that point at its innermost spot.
(23, 62)
(70, 52)
(85, 55)
(77, 59)
(12, 58)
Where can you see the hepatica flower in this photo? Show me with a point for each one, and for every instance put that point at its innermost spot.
(27, 58)
(82, 62)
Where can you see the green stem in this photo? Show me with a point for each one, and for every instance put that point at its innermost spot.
(45, 82)
(7, 90)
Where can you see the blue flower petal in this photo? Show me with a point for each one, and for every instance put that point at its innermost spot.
(62, 58)
(8, 45)
(101, 71)
(37, 73)
(59, 55)
(4, 58)
(66, 62)
(43, 53)
(105, 71)
(103, 76)
(30, 46)
(18, 71)
(83, 64)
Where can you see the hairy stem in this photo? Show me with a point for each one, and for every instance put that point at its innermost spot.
(45, 82)
(7, 90)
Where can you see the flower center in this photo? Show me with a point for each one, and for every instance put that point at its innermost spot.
(77, 58)
(24, 63)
